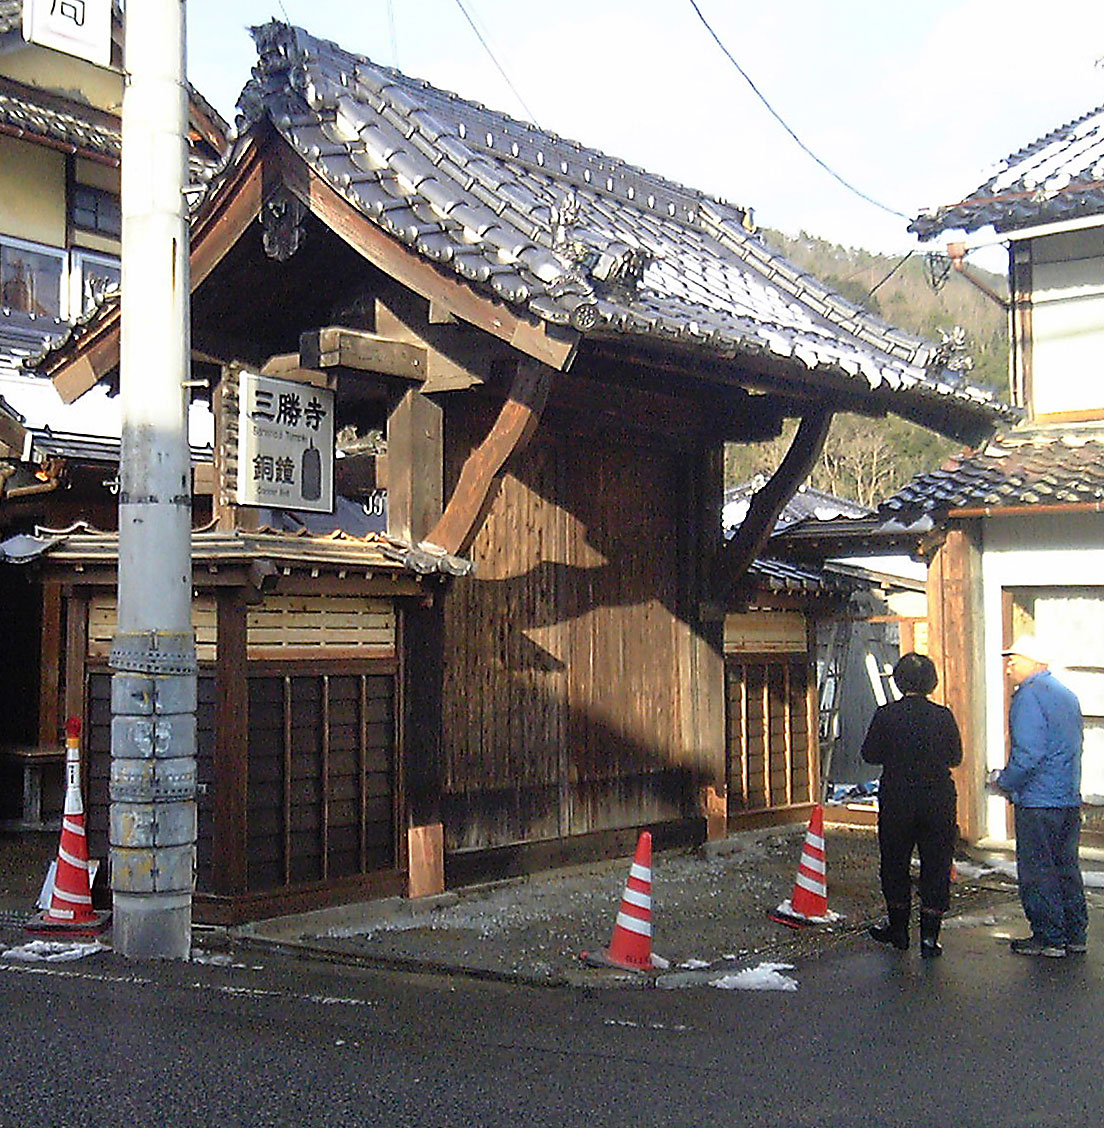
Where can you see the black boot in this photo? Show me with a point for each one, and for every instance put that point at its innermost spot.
(930, 920)
(895, 930)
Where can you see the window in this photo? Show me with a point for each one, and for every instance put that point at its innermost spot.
(90, 277)
(30, 278)
(93, 209)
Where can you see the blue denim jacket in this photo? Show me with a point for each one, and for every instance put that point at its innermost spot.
(1044, 767)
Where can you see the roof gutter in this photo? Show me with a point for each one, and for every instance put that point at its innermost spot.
(1023, 510)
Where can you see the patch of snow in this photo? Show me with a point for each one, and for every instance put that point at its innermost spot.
(765, 977)
(52, 951)
(969, 921)
(787, 909)
(694, 965)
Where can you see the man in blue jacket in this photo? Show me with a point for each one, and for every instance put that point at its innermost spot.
(1043, 780)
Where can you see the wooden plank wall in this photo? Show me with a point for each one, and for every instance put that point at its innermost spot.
(321, 777)
(281, 625)
(562, 709)
(771, 751)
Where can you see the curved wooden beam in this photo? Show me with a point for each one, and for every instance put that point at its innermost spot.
(767, 503)
(512, 429)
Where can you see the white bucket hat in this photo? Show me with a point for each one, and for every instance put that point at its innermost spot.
(1028, 646)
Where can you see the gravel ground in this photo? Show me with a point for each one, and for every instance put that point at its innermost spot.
(709, 908)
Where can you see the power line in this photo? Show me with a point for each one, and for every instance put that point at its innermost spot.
(498, 65)
(890, 274)
(777, 117)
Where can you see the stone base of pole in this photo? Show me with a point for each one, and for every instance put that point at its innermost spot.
(152, 926)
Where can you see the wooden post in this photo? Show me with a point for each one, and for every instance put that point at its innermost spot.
(230, 842)
(52, 660)
(422, 674)
(414, 467)
(954, 613)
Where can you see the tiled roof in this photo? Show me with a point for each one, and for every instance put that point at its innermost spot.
(1030, 467)
(24, 336)
(11, 16)
(576, 237)
(781, 576)
(1057, 177)
(27, 110)
(807, 502)
(83, 544)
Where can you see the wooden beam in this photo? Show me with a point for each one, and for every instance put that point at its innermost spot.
(512, 429)
(529, 334)
(456, 357)
(767, 503)
(337, 347)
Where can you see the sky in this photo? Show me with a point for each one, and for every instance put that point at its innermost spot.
(910, 102)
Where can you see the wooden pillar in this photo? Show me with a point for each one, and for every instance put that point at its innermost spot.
(955, 643)
(422, 671)
(230, 832)
(414, 467)
(52, 660)
(702, 665)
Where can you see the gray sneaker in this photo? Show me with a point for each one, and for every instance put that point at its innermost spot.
(1033, 946)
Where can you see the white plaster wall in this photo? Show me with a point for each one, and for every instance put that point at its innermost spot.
(1046, 551)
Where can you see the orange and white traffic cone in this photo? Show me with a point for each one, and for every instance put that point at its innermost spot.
(809, 902)
(70, 910)
(631, 945)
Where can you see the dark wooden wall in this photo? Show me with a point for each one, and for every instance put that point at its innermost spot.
(771, 751)
(563, 680)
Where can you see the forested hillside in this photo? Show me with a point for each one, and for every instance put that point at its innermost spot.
(867, 459)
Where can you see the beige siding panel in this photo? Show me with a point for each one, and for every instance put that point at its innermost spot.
(102, 619)
(765, 632)
(32, 188)
(327, 622)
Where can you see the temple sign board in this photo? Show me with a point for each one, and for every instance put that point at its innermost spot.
(285, 444)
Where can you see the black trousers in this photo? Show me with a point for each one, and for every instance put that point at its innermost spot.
(921, 819)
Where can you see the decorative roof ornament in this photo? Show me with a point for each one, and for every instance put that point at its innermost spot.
(282, 221)
(622, 268)
(565, 219)
(952, 352)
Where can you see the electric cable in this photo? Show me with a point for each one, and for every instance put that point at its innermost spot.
(777, 117)
(498, 65)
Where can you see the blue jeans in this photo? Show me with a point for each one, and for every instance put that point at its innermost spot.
(1051, 890)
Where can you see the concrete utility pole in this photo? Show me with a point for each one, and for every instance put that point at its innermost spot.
(153, 690)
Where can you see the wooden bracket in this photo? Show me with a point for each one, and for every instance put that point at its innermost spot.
(767, 503)
(515, 425)
(337, 347)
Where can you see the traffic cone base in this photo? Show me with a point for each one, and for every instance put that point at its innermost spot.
(808, 905)
(42, 924)
(630, 947)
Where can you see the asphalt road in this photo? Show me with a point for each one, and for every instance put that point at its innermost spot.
(870, 1038)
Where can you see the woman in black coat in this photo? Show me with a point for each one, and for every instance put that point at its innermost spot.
(917, 743)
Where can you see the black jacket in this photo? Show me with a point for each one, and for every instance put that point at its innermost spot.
(916, 741)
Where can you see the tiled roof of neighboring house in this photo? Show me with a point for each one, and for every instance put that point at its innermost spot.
(1045, 466)
(83, 544)
(1056, 177)
(576, 237)
(28, 111)
(23, 336)
(807, 502)
(11, 16)
(781, 576)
